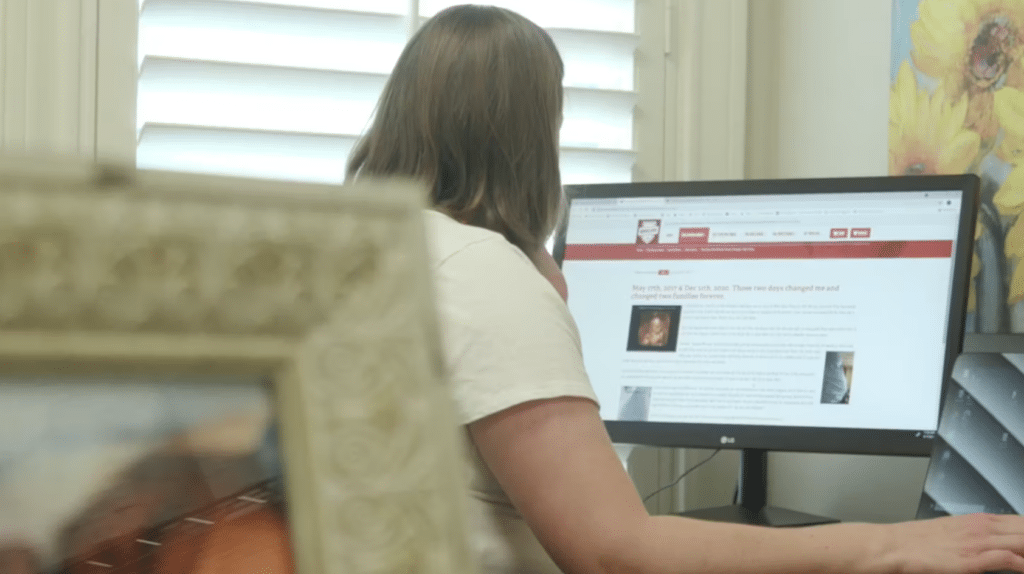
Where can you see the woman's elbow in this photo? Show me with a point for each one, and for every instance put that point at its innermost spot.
(612, 550)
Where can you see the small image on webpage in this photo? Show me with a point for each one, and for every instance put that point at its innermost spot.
(635, 404)
(654, 328)
(837, 379)
(647, 231)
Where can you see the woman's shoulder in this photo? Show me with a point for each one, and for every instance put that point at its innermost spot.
(477, 266)
(451, 241)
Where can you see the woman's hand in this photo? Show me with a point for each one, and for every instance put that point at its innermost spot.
(972, 543)
(545, 263)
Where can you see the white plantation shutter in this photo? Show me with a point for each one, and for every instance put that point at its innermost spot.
(283, 88)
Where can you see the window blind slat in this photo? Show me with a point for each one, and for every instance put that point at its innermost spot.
(256, 97)
(580, 166)
(269, 35)
(598, 119)
(606, 15)
(597, 60)
(227, 11)
(238, 96)
(316, 158)
(388, 6)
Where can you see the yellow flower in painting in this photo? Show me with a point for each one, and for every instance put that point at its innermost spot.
(1009, 109)
(927, 133)
(1009, 200)
(973, 47)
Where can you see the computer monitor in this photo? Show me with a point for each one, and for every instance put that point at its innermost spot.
(976, 461)
(793, 315)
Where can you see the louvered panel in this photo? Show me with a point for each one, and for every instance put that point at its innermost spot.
(239, 96)
(315, 157)
(598, 118)
(257, 33)
(273, 155)
(256, 97)
(387, 6)
(604, 15)
(282, 88)
(600, 60)
(581, 165)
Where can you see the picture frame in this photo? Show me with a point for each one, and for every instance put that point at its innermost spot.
(324, 290)
(953, 65)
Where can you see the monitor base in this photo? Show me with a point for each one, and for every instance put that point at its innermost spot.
(767, 516)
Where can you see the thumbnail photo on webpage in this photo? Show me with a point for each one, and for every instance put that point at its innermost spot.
(654, 328)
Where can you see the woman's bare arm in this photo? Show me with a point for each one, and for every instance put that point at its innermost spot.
(556, 462)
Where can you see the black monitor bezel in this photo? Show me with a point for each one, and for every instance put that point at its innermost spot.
(1010, 343)
(800, 439)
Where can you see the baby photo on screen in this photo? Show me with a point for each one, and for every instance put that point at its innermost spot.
(635, 404)
(837, 378)
(647, 231)
(653, 328)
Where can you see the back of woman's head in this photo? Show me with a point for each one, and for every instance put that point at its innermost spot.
(473, 107)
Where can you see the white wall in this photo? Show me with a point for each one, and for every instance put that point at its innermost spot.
(818, 94)
(818, 106)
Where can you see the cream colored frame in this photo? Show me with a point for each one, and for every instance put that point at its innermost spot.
(324, 288)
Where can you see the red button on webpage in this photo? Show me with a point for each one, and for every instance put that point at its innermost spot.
(694, 235)
(861, 232)
(837, 233)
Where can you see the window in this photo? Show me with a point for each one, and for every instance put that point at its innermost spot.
(283, 88)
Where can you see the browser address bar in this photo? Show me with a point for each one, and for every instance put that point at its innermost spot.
(787, 213)
(886, 208)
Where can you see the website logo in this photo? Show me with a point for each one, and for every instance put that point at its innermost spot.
(647, 231)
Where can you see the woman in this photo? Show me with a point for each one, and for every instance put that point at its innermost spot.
(474, 108)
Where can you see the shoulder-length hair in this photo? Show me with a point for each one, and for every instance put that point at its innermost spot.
(474, 107)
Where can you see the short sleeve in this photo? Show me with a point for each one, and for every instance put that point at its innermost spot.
(508, 335)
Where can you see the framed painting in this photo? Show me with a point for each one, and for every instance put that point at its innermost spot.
(203, 374)
(957, 106)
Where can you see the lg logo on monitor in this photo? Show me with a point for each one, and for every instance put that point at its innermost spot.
(728, 440)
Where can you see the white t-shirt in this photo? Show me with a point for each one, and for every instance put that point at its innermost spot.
(508, 339)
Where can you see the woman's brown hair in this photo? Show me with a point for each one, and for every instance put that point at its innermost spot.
(473, 107)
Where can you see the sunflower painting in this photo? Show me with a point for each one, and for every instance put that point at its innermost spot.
(956, 106)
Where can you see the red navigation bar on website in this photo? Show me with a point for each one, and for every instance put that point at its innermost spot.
(788, 250)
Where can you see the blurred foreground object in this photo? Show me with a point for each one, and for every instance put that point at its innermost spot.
(119, 276)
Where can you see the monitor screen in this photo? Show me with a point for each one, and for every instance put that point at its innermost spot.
(806, 315)
(976, 463)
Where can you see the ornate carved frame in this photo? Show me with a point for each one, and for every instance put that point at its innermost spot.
(324, 288)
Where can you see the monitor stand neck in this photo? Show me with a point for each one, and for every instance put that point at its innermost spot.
(753, 499)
